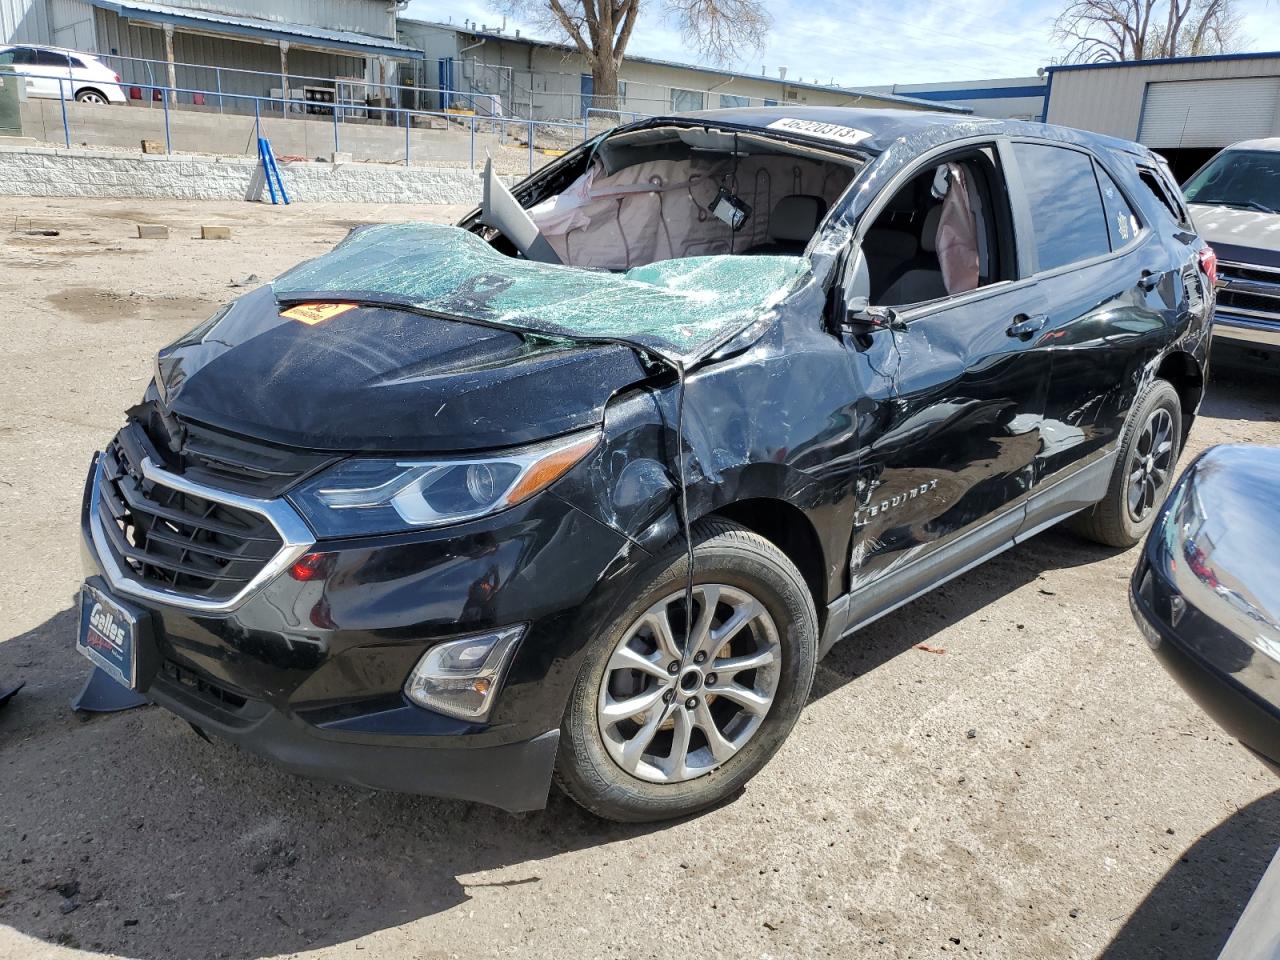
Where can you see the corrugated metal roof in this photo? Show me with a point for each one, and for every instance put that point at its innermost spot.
(301, 33)
(849, 91)
(1163, 61)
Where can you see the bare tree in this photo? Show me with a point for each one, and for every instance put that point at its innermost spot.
(721, 30)
(1098, 31)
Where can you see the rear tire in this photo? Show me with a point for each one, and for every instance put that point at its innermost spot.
(90, 95)
(689, 737)
(1143, 473)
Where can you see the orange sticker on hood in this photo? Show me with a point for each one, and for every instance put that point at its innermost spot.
(313, 313)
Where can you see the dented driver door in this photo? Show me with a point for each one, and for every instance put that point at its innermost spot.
(950, 428)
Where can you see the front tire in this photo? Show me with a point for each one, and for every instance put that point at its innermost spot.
(654, 731)
(1143, 473)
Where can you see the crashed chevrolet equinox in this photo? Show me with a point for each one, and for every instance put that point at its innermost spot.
(581, 489)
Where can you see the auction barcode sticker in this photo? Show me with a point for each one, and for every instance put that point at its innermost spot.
(836, 132)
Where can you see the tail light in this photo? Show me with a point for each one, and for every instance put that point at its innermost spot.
(1209, 264)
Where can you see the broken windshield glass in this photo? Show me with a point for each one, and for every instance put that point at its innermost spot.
(676, 308)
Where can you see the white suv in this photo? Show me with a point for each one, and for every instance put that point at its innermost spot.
(88, 79)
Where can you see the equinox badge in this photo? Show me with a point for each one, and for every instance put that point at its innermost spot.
(864, 515)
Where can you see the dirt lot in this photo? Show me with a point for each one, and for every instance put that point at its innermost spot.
(1094, 811)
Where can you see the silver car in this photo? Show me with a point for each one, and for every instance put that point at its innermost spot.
(1235, 202)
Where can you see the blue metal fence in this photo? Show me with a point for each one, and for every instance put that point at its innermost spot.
(504, 127)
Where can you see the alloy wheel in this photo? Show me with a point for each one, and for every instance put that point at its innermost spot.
(668, 713)
(90, 97)
(1151, 464)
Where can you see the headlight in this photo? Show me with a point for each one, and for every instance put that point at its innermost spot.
(371, 496)
(461, 677)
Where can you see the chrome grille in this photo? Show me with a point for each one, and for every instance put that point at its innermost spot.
(176, 540)
(161, 536)
(222, 460)
(1248, 290)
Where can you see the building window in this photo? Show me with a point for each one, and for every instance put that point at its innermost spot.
(683, 101)
(733, 100)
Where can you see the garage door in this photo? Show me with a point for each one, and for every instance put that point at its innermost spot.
(1209, 113)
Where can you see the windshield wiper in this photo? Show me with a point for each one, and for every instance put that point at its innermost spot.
(1242, 204)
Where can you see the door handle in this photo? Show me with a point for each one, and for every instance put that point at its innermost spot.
(1024, 326)
(1149, 281)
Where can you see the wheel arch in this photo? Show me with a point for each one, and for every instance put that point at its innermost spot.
(789, 529)
(1184, 372)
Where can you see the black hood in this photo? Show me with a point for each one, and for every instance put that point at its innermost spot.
(375, 378)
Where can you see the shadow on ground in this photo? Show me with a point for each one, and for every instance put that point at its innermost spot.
(162, 846)
(128, 834)
(922, 620)
(1238, 391)
(1191, 911)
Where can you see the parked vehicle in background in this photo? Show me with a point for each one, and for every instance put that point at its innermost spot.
(88, 79)
(1235, 203)
(1206, 591)
(585, 488)
(1206, 596)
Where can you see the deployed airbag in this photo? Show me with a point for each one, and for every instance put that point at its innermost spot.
(676, 308)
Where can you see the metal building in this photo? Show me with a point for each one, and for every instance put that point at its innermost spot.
(477, 67)
(1008, 98)
(1187, 108)
(201, 44)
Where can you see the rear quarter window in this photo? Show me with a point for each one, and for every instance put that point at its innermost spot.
(1067, 214)
(1122, 222)
(1167, 196)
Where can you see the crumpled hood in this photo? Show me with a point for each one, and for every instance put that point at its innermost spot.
(376, 378)
(1232, 232)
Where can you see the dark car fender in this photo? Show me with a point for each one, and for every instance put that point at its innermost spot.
(769, 439)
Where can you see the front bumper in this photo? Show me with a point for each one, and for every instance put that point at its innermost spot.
(514, 776)
(310, 673)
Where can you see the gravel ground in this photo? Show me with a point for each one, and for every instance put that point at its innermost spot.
(1039, 790)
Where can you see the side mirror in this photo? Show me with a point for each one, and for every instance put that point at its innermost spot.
(861, 317)
(856, 313)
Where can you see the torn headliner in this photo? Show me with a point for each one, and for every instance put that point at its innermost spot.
(679, 310)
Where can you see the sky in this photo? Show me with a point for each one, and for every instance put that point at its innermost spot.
(862, 43)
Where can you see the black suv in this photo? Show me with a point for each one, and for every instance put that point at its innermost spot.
(583, 488)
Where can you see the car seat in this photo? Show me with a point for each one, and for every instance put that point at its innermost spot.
(792, 224)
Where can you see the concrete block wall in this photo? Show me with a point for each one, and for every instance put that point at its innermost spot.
(53, 172)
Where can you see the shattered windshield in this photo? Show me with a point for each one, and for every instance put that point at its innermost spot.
(677, 308)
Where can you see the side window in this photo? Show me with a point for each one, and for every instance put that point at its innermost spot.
(945, 232)
(1066, 206)
(24, 56)
(6, 57)
(1122, 222)
(1160, 189)
(78, 64)
(48, 58)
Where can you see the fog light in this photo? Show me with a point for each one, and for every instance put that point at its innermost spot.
(461, 677)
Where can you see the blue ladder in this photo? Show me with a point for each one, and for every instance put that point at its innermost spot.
(271, 171)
